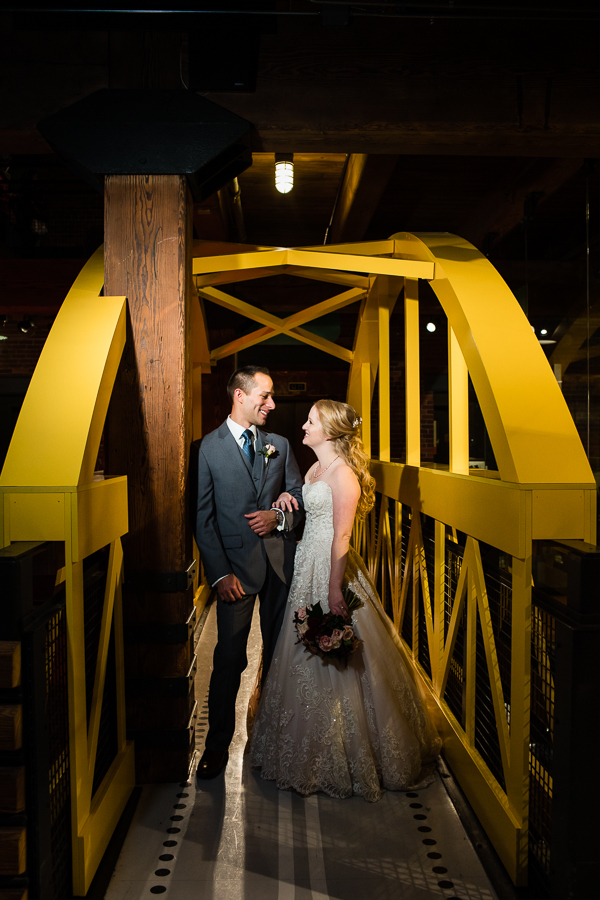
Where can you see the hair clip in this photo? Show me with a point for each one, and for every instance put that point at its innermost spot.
(356, 422)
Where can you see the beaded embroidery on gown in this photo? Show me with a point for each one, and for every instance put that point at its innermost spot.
(320, 726)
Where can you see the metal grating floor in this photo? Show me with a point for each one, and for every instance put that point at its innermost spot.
(239, 837)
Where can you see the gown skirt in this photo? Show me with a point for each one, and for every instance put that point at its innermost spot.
(322, 725)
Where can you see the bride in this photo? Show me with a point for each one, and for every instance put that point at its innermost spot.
(321, 725)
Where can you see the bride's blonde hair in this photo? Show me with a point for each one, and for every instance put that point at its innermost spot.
(341, 425)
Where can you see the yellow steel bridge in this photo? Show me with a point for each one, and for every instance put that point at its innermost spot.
(425, 543)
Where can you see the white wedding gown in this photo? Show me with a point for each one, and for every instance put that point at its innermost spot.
(322, 726)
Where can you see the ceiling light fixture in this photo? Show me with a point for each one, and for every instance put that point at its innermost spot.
(26, 324)
(284, 172)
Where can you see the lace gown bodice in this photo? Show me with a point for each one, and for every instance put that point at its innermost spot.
(312, 564)
(321, 726)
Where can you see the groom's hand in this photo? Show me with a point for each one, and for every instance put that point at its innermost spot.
(262, 521)
(230, 589)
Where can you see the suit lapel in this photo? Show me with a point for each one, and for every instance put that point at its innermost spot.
(258, 472)
(261, 441)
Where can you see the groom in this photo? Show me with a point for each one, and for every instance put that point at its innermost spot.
(247, 547)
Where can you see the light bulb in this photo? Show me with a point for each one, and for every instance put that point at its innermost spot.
(284, 172)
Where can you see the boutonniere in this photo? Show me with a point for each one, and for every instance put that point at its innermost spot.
(268, 451)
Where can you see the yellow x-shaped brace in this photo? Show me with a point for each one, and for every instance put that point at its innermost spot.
(274, 325)
(346, 258)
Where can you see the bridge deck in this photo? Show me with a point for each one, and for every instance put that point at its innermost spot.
(238, 836)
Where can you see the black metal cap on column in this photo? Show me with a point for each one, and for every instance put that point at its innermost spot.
(158, 132)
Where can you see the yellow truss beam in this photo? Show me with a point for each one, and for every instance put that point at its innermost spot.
(319, 258)
(458, 407)
(230, 262)
(351, 279)
(274, 325)
(356, 262)
(301, 334)
(326, 306)
(213, 278)
(412, 392)
(362, 248)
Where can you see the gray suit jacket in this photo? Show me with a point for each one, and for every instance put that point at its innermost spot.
(228, 487)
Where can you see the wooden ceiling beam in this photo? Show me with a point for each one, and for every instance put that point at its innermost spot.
(366, 177)
(504, 208)
(387, 87)
(405, 87)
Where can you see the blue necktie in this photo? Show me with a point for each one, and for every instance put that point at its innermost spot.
(248, 449)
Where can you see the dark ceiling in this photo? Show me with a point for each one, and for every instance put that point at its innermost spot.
(479, 118)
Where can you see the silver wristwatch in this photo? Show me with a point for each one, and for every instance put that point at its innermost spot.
(280, 516)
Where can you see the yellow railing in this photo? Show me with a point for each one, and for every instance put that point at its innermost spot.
(544, 489)
(49, 494)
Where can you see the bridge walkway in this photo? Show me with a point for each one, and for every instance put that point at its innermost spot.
(238, 836)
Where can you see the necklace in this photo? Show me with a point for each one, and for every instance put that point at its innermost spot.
(322, 472)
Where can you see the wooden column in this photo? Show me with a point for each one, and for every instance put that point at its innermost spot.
(149, 430)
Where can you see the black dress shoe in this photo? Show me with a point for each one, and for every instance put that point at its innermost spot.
(212, 763)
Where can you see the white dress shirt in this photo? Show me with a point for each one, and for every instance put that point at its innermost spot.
(238, 432)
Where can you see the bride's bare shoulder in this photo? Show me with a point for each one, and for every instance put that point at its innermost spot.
(343, 478)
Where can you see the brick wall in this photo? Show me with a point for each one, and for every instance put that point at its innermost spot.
(20, 352)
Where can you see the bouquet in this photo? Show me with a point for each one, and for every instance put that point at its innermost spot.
(325, 634)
